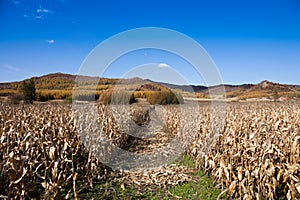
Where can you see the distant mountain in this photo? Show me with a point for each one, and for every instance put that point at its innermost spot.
(264, 85)
(62, 81)
(186, 88)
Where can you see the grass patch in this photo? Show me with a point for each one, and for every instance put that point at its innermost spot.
(186, 160)
(201, 189)
(204, 188)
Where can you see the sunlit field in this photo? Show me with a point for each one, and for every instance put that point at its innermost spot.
(256, 155)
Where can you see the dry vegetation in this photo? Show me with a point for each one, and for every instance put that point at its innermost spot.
(157, 94)
(41, 153)
(255, 156)
(66, 87)
(60, 86)
(258, 153)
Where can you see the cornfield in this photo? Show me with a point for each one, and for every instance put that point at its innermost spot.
(254, 155)
(40, 151)
(257, 155)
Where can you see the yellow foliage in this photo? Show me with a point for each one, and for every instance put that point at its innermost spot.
(7, 92)
(254, 94)
(45, 95)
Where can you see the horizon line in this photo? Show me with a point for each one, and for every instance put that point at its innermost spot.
(232, 84)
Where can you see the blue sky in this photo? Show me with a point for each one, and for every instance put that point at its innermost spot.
(250, 40)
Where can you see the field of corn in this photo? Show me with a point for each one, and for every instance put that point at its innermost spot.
(255, 154)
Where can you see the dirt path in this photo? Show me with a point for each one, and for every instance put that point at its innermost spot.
(152, 133)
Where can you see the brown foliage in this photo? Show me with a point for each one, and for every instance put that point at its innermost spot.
(40, 153)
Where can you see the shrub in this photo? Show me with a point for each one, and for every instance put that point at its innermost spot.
(28, 90)
(275, 93)
(116, 97)
(158, 94)
(141, 94)
(164, 97)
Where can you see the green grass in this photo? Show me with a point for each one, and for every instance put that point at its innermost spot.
(201, 189)
(204, 188)
(186, 160)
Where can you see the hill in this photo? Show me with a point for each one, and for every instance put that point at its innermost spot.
(263, 89)
(60, 86)
(66, 86)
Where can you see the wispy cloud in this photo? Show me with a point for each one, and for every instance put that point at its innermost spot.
(11, 68)
(44, 10)
(50, 41)
(163, 65)
(13, 73)
(40, 17)
(40, 13)
(15, 70)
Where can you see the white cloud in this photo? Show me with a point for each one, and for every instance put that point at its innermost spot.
(43, 10)
(39, 17)
(50, 41)
(162, 65)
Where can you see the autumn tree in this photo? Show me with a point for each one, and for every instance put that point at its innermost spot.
(275, 93)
